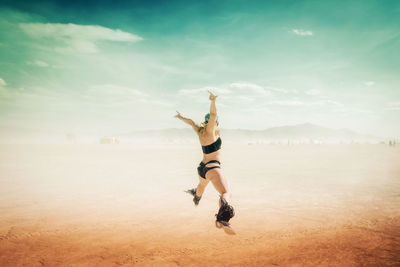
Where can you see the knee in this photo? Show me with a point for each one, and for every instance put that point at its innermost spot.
(203, 184)
(227, 194)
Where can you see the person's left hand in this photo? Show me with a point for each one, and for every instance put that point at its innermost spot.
(212, 96)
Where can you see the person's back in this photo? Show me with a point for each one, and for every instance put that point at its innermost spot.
(211, 144)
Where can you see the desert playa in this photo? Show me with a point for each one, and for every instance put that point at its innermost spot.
(99, 100)
(124, 205)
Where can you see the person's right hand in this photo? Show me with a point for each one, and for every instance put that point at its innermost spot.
(179, 116)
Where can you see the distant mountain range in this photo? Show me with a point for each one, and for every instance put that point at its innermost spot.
(300, 133)
(290, 134)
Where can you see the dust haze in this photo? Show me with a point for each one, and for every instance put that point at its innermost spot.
(123, 204)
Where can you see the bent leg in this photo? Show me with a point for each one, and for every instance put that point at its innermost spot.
(201, 186)
(226, 211)
(220, 183)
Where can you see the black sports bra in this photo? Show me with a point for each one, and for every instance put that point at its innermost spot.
(212, 147)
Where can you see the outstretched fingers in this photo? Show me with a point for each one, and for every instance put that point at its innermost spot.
(178, 115)
(212, 96)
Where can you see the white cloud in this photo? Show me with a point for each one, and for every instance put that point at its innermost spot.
(282, 90)
(393, 106)
(33, 94)
(192, 92)
(115, 90)
(75, 37)
(203, 91)
(313, 92)
(286, 103)
(248, 89)
(369, 83)
(112, 95)
(161, 103)
(302, 103)
(302, 32)
(353, 110)
(238, 93)
(2, 82)
(239, 99)
(3, 90)
(333, 103)
(38, 63)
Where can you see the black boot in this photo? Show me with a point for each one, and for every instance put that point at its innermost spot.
(196, 199)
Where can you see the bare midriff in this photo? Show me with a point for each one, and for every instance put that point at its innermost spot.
(212, 156)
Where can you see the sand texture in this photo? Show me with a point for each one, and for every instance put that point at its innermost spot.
(124, 205)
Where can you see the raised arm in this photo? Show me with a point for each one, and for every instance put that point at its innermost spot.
(188, 121)
(212, 122)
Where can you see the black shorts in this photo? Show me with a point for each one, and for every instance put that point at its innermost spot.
(202, 169)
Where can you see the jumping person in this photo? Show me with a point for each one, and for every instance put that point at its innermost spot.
(209, 168)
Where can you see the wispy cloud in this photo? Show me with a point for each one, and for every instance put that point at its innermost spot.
(38, 63)
(34, 94)
(117, 95)
(3, 90)
(204, 90)
(286, 103)
(81, 38)
(354, 110)
(393, 106)
(369, 83)
(313, 92)
(112, 91)
(156, 102)
(302, 32)
(192, 92)
(281, 90)
(333, 103)
(303, 103)
(248, 89)
(233, 93)
(2, 82)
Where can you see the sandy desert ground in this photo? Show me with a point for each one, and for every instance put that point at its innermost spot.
(111, 205)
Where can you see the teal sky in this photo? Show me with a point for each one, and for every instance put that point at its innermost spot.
(107, 67)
